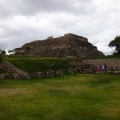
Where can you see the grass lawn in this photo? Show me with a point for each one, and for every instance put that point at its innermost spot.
(74, 97)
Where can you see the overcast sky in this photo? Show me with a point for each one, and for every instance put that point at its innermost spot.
(23, 21)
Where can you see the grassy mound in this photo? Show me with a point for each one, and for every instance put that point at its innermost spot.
(40, 64)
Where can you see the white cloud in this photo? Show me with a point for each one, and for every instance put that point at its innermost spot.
(23, 21)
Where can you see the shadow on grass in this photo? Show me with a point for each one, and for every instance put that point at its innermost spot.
(100, 80)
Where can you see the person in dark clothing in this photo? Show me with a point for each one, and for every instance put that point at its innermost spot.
(105, 67)
(100, 68)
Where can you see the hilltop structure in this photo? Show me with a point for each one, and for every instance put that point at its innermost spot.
(69, 45)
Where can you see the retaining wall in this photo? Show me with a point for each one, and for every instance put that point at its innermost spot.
(110, 63)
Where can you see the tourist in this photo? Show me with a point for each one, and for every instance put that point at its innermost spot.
(100, 68)
(105, 67)
(97, 69)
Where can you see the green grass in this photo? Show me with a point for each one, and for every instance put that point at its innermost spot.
(73, 97)
(31, 65)
(106, 57)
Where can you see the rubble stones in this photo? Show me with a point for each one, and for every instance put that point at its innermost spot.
(59, 72)
(13, 72)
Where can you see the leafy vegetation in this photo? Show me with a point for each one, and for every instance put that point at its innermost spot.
(1, 58)
(2, 51)
(115, 43)
(74, 97)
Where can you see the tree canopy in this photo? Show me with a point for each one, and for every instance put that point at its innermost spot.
(2, 51)
(2, 48)
(115, 43)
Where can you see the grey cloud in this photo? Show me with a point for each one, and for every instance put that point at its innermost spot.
(33, 7)
(23, 21)
(55, 5)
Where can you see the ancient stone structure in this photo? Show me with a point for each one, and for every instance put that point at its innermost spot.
(113, 64)
(73, 71)
(13, 72)
(59, 72)
(69, 45)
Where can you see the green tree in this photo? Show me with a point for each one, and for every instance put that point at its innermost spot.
(11, 51)
(1, 58)
(2, 51)
(115, 43)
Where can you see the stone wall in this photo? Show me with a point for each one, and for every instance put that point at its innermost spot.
(114, 63)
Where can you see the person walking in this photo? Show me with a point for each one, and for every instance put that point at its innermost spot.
(97, 69)
(100, 68)
(105, 67)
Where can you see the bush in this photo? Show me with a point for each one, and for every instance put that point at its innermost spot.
(1, 58)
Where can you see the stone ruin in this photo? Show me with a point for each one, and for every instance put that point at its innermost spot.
(16, 74)
(69, 45)
(13, 72)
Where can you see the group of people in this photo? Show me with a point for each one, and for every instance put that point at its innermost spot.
(101, 68)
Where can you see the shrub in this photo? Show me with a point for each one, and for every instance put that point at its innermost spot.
(1, 58)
